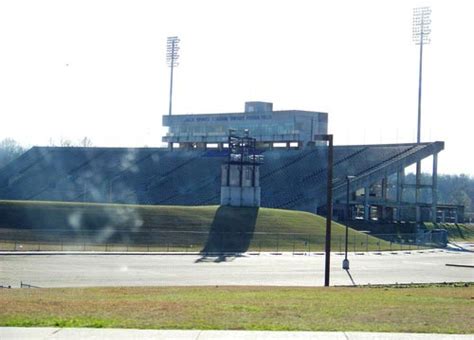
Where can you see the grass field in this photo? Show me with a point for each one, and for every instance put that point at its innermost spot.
(456, 231)
(433, 309)
(83, 226)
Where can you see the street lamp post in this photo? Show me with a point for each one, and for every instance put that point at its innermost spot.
(329, 139)
(345, 262)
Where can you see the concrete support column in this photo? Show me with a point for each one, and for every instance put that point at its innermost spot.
(417, 194)
(434, 189)
(400, 181)
(384, 197)
(384, 188)
(366, 202)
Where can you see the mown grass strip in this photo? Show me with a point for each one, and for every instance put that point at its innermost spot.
(426, 308)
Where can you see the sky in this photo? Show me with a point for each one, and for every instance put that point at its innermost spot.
(71, 69)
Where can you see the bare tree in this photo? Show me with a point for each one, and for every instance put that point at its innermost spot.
(9, 150)
(85, 142)
(65, 142)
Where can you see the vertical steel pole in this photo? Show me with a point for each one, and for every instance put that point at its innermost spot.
(329, 212)
(347, 216)
(418, 135)
(171, 76)
(345, 263)
(434, 189)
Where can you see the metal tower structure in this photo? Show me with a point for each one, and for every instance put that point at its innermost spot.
(172, 56)
(421, 36)
(242, 151)
(240, 181)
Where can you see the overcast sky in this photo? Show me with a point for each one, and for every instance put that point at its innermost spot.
(70, 69)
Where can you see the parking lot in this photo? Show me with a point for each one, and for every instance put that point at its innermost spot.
(285, 269)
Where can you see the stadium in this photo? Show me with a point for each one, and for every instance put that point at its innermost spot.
(188, 172)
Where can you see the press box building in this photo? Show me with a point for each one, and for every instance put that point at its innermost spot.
(294, 128)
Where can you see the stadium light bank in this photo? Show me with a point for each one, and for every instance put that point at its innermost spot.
(172, 57)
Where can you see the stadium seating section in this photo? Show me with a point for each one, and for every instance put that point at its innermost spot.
(290, 178)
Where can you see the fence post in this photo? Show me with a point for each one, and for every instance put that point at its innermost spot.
(222, 242)
(309, 244)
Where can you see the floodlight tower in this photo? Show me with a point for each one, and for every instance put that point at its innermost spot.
(421, 36)
(172, 56)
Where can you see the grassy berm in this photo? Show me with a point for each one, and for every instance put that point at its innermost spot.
(430, 309)
(456, 231)
(200, 228)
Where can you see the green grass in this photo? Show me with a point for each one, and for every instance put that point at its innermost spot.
(456, 231)
(86, 226)
(429, 309)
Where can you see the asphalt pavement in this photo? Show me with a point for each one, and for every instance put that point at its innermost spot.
(285, 269)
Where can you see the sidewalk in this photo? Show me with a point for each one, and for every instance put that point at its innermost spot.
(7, 333)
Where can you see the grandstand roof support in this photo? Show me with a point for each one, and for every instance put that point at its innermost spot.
(434, 189)
(400, 182)
(390, 166)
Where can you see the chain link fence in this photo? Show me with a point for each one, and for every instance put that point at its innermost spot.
(219, 242)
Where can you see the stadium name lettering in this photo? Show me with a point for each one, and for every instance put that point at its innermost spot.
(227, 118)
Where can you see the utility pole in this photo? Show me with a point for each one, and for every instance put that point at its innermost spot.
(172, 56)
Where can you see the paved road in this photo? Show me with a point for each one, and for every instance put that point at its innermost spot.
(96, 334)
(263, 269)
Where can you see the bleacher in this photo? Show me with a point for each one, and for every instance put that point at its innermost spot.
(289, 178)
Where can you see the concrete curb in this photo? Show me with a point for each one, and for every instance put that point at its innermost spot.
(91, 333)
(45, 252)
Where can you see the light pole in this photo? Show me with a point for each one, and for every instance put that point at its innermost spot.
(172, 56)
(329, 139)
(345, 262)
(421, 36)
